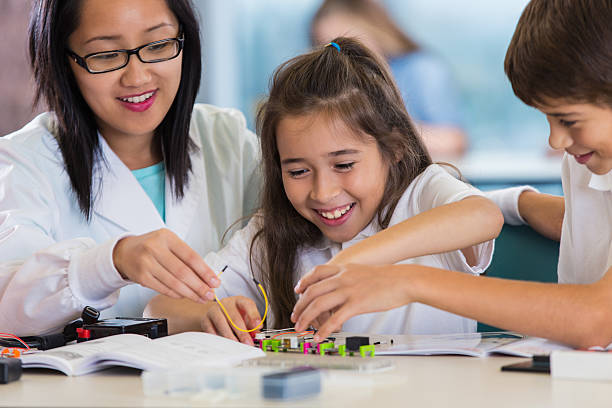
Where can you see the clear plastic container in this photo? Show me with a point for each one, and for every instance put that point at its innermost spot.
(244, 382)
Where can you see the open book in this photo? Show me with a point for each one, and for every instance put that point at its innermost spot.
(133, 350)
(470, 344)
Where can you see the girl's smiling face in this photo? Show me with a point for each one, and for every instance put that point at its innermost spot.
(116, 97)
(332, 177)
(583, 130)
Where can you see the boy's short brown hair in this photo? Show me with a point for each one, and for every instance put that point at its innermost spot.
(562, 49)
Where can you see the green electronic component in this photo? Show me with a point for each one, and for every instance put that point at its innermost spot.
(265, 344)
(342, 350)
(364, 349)
(273, 343)
(325, 346)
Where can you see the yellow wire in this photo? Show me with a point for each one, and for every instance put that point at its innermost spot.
(230, 319)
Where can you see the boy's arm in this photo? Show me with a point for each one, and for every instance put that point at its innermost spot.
(543, 212)
(524, 205)
(578, 315)
(461, 224)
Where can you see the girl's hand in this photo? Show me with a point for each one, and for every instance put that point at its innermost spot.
(163, 262)
(347, 290)
(243, 312)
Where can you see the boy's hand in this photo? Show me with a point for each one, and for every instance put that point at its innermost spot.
(243, 312)
(160, 260)
(347, 290)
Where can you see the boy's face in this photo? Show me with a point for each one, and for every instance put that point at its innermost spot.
(583, 130)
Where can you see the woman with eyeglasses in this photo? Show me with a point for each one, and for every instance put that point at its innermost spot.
(116, 192)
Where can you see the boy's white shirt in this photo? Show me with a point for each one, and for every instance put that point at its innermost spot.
(53, 263)
(432, 188)
(585, 253)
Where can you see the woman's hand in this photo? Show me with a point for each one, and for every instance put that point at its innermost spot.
(243, 312)
(163, 262)
(346, 291)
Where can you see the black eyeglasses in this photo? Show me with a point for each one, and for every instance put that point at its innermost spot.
(107, 61)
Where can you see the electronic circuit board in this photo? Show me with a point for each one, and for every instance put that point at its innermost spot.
(340, 344)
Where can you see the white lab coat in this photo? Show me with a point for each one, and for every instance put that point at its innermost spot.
(53, 262)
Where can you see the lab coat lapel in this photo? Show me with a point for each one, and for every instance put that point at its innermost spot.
(181, 215)
(120, 198)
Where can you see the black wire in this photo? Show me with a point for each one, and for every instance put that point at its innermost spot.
(32, 342)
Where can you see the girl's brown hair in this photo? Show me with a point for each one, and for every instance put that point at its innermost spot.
(368, 10)
(562, 49)
(354, 86)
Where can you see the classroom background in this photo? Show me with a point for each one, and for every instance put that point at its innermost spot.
(245, 40)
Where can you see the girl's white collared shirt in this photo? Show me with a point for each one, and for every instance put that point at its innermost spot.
(432, 188)
(53, 263)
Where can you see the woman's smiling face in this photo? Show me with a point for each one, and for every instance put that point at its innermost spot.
(135, 99)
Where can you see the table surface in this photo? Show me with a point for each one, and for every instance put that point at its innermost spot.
(433, 381)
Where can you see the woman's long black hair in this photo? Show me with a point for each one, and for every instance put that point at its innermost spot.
(51, 23)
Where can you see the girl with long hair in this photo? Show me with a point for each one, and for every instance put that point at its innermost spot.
(346, 180)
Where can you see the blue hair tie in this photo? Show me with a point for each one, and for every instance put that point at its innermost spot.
(333, 44)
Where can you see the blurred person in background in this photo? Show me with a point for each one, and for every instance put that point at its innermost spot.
(16, 85)
(425, 82)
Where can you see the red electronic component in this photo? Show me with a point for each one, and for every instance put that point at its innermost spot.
(83, 334)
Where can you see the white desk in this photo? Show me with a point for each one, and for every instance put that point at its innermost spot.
(439, 381)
